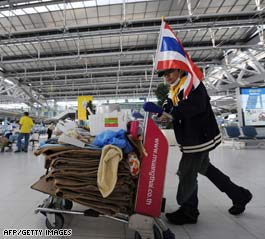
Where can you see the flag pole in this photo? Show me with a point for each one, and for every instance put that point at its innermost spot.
(146, 115)
(154, 60)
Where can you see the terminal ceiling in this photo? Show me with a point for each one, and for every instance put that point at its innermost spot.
(57, 50)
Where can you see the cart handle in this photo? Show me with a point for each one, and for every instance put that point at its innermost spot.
(152, 107)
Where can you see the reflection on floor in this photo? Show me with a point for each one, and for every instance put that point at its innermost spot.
(245, 167)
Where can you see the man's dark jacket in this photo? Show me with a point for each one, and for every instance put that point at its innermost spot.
(194, 122)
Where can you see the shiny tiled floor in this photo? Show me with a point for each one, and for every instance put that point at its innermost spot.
(245, 167)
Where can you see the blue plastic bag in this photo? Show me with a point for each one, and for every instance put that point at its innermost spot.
(115, 138)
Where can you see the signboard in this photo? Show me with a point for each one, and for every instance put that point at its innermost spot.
(252, 106)
(152, 172)
(82, 106)
(111, 122)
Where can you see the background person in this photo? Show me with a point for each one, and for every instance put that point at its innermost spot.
(26, 124)
(50, 129)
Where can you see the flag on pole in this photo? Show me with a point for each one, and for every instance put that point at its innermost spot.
(172, 55)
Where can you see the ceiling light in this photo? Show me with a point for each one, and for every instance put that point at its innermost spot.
(59, 7)
(9, 82)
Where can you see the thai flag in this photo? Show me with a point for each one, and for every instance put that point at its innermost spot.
(171, 55)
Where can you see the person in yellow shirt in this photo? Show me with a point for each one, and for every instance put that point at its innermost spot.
(26, 124)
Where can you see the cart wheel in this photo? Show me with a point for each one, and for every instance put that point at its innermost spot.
(67, 204)
(58, 224)
(157, 233)
(137, 235)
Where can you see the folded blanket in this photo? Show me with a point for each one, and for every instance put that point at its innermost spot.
(74, 175)
(108, 169)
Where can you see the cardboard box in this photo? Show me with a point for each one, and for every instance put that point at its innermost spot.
(108, 121)
(65, 139)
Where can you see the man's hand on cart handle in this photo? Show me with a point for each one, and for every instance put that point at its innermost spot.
(164, 119)
(152, 107)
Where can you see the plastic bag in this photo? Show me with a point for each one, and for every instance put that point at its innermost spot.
(115, 138)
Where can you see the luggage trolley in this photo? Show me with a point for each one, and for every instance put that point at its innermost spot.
(146, 219)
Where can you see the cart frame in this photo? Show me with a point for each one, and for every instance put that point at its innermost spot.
(146, 219)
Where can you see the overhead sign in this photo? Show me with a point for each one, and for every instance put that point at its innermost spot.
(82, 106)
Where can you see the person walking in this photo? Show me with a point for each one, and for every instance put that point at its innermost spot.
(50, 129)
(197, 133)
(195, 128)
(26, 124)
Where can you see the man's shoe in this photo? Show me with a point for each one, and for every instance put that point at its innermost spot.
(239, 207)
(17, 151)
(181, 217)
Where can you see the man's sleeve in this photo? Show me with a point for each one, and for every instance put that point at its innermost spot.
(167, 105)
(21, 121)
(194, 105)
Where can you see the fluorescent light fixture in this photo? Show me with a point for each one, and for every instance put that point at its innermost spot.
(30, 10)
(41, 9)
(53, 7)
(86, 4)
(9, 82)
(104, 101)
(18, 12)
(66, 103)
(7, 13)
(59, 7)
(137, 100)
(78, 5)
(14, 106)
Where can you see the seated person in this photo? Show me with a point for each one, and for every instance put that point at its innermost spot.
(5, 142)
(34, 138)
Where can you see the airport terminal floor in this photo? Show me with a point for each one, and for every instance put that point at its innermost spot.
(245, 167)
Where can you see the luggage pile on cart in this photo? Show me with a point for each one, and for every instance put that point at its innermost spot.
(106, 182)
(72, 175)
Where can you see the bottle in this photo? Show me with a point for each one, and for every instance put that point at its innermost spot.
(134, 126)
